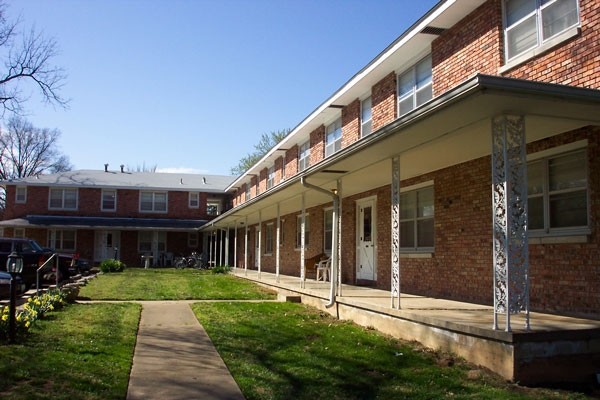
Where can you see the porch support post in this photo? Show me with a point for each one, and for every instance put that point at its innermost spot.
(339, 235)
(235, 245)
(509, 208)
(246, 247)
(215, 254)
(210, 247)
(302, 244)
(259, 248)
(277, 243)
(226, 258)
(219, 241)
(395, 223)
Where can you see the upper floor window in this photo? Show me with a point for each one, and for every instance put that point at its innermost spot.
(415, 86)
(248, 192)
(416, 220)
(109, 200)
(153, 201)
(531, 23)
(283, 168)
(21, 194)
(365, 117)
(194, 200)
(59, 239)
(558, 194)
(304, 156)
(333, 137)
(271, 177)
(213, 207)
(63, 199)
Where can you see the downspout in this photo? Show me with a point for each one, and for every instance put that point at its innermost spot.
(334, 242)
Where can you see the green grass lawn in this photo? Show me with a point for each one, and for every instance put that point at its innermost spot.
(290, 351)
(171, 284)
(81, 352)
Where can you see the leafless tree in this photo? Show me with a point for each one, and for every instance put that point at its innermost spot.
(28, 67)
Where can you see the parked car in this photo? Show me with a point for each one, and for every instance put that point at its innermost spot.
(34, 257)
(5, 285)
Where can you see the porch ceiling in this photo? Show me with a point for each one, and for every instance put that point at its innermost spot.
(451, 129)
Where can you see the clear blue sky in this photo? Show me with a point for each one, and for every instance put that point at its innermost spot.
(192, 84)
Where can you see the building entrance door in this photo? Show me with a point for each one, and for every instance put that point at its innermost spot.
(365, 240)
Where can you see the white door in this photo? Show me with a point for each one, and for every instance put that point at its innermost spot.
(107, 245)
(365, 239)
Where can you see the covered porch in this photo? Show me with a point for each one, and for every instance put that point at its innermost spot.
(556, 349)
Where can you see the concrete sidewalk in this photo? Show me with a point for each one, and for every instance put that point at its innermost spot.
(175, 359)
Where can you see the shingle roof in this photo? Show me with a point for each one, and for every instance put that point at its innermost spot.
(101, 222)
(140, 180)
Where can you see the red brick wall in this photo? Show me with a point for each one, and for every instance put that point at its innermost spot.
(470, 47)
(317, 145)
(383, 100)
(291, 162)
(351, 123)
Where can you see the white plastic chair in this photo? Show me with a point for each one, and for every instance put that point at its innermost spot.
(323, 267)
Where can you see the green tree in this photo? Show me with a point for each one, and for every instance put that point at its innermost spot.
(267, 142)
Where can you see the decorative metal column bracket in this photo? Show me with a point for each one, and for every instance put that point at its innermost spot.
(509, 208)
(395, 248)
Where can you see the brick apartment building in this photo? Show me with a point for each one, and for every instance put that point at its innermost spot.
(461, 163)
(102, 214)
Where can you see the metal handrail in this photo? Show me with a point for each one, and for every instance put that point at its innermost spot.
(37, 275)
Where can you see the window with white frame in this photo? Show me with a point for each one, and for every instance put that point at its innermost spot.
(109, 200)
(62, 239)
(248, 192)
(148, 240)
(366, 117)
(558, 195)
(194, 200)
(213, 207)
(415, 86)
(63, 199)
(532, 23)
(333, 137)
(193, 239)
(416, 220)
(21, 194)
(299, 230)
(271, 177)
(269, 237)
(283, 168)
(153, 202)
(304, 156)
(19, 233)
(327, 230)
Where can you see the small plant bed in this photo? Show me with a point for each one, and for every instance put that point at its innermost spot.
(172, 284)
(289, 351)
(81, 352)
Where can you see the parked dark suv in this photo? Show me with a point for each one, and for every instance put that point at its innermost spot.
(33, 256)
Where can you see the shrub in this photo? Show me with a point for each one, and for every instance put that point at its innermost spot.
(112, 265)
(221, 269)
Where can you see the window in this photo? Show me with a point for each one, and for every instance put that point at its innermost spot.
(304, 156)
(365, 117)
(414, 86)
(531, 23)
(194, 200)
(416, 220)
(558, 194)
(148, 239)
(299, 231)
(213, 207)
(63, 199)
(21, 194)
(248, 192)
(269, 236)
(109, 200)
(333, 137)
(193, 239)
(61, 239)
(153, 201)
(283, 168)
(328, 229)
(19, 233)
(271, 177)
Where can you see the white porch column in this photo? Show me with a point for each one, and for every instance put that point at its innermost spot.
(259, 248)
(210, 248)
(302, 244)
(509, 213)
(339, 235)
(277, 243)
(226, 260)
(235, 245)
(395, 224)
(246, 248)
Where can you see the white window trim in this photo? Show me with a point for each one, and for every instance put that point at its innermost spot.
(364, 122)
(19, 233)
(102, 200)
(414, 91)
(63, 199)
(269, 227)
(216, 202)
(191, 196)
(51, 239)
(304, 157)
(24, 200)
(325, 211)
(424, 250)
(336, 144)
(154, 193)
(192, 239)
(270, 177)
